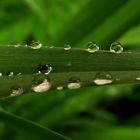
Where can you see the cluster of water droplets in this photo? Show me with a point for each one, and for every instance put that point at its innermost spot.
(101, 78)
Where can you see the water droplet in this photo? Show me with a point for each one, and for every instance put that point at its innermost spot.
(35, 45)
(116, 47)
(51, 47)
(67, 47)
(25, 45)
(19, 73)
(42, 87)
(69, 64)
(16, 91)
(10, 74)
(74, 83)
(92, 47)
(118, 79)
(103, 78)
(0, 74)
(60, 88)
(17, 45)
(138, 78)
(44, 68)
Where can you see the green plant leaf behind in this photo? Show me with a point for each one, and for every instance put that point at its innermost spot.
(30, 127)
(115, 25)
(86, 21)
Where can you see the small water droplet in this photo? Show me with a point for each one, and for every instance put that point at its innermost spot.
(69, 64)
(138, 78)
(92, 47)
(118, 79)
(25, 45)
(44, 68)
(42, 87)
(19, 73)
(103, 78)
(16, 91)
(74, 83)
(116, 47)
(67, 47)
(17, 45)
(51, 47)
(0, 74)
(35, 45)
(10, 74)
(60, 88)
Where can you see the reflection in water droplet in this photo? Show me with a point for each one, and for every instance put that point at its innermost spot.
(42, 87)
(103, 78)
(16, 91)
(116, 47)
(92, 47)
(59, 87)
(44, 68)
(35, 45)
(74, 83)
(67, 47)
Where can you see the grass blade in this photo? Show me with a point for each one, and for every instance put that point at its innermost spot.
(118, 24)
(30, 127)
(83, 65)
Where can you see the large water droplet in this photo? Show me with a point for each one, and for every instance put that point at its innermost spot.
(16, 91)
(103, 78)
(74, 83)
(92, 47)
(44, 68)
(116, 47)
(42, 87)
(35, 45)
(67, 47)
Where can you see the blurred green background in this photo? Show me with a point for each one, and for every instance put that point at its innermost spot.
(105, 112)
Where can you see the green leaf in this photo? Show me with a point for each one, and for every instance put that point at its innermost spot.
(16, 33)
(30, 127)
(65, 65)
(89, 18)
(116, 25)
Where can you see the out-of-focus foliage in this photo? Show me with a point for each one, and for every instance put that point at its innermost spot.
(110, 112)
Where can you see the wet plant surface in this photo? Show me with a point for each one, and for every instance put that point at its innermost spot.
(69, 70)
